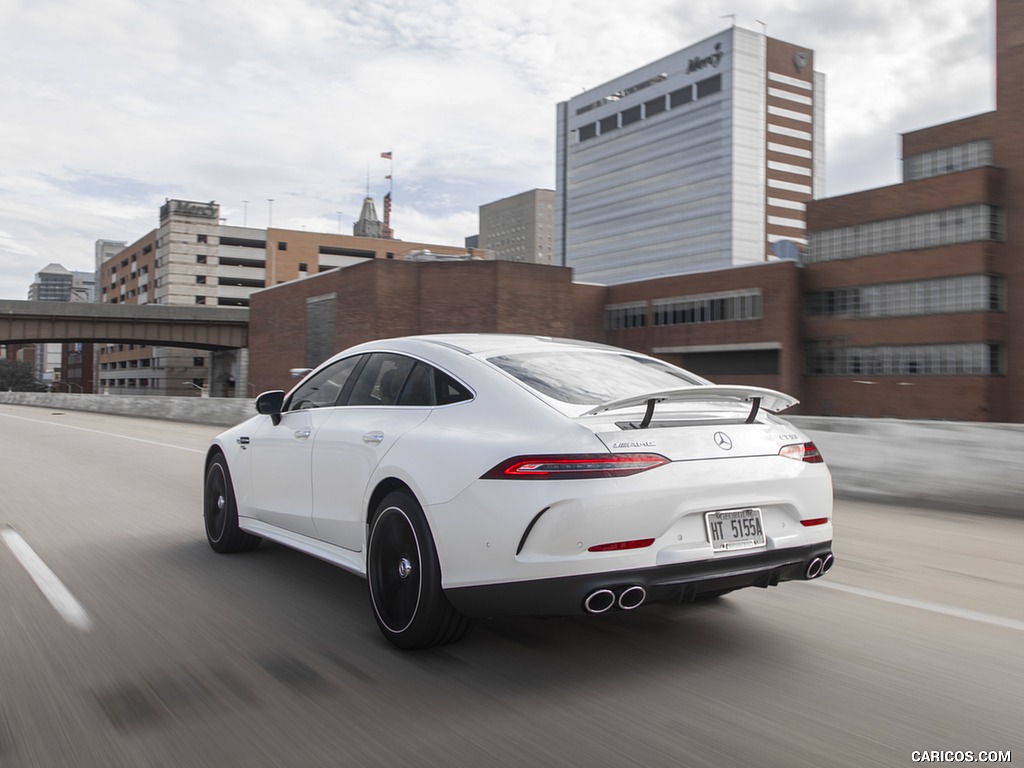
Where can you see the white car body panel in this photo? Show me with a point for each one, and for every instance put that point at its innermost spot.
(349, 446)
(280, 472)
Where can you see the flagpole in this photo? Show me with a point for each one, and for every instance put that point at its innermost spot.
(390, 157)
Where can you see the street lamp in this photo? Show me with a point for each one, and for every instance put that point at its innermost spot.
(202, 389)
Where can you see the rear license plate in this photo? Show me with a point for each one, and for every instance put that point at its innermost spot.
(730, 529)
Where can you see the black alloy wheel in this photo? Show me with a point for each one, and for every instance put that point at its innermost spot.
(404, 578)
(220, 513)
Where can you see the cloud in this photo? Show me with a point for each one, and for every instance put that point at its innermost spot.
(114, 107)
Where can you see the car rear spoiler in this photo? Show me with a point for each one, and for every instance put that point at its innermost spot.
(758, 397)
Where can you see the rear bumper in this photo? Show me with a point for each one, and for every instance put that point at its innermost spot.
(676, 583)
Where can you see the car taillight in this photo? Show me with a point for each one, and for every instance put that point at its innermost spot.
(814, 521)
(807, 452)
(574, 466)
(618, 546)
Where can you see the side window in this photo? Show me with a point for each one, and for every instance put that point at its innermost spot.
(449, 390)
(324, 387)
(419, 387)
(381, 379)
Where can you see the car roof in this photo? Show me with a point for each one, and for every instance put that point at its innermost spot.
(485, 344)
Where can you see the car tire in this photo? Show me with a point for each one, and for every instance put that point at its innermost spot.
(220, 512)
(404, 578)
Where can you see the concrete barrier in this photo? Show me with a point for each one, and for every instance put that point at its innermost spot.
(217, 411)
(957, 466)
(970, 467)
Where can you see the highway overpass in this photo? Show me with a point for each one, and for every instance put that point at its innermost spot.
(199, 327)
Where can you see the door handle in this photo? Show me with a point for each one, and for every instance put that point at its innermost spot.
(373, 437)
(302, 434)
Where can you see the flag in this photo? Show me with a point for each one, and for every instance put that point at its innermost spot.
(386, 155)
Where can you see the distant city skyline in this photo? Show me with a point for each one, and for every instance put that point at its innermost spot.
(228, 106)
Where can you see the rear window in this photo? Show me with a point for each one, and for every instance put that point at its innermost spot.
(592, 378)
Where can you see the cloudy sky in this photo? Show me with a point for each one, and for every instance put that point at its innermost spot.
(111, 106)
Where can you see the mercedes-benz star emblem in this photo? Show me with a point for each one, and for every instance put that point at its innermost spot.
(722, 441)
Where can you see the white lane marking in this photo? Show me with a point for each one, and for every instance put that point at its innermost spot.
(106, 434)
(52, 588)
(925, 605)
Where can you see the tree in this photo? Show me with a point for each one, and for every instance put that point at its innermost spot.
(18, 376)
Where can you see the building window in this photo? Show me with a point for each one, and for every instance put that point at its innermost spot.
(680, 97)
(707, 308)
(823, 358)
(619, 316)
(962, 157)
(609, 123)
(654, 106)
(200, 238)
(970, 223)
(631, 115)
(201, 258)
(198, 362)
(945, 295)
(201, 279)
(588, 131)
(282, 246)
(709, 86)
(200, 299)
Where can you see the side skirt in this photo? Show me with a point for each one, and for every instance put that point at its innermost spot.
(353, 562)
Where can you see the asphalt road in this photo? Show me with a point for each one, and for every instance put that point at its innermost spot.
(160, 653)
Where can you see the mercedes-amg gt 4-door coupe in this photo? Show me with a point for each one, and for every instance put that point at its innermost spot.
(478, 475)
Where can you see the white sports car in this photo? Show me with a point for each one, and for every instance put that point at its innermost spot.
(473, 475)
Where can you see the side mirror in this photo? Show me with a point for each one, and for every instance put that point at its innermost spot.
(270, 403)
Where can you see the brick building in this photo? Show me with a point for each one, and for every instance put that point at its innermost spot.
(912, 291)
(734, 326)
(301, 323)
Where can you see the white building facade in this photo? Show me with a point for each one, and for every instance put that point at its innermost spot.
(701, 160)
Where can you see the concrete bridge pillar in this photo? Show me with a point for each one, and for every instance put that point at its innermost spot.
(229, 373)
